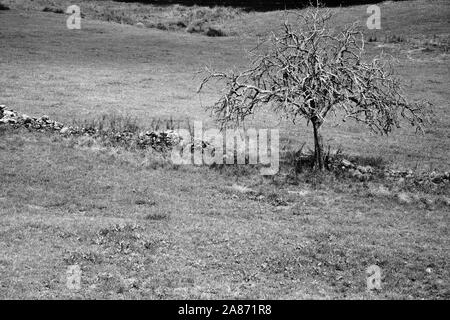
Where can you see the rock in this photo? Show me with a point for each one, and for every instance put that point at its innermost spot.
(162, 140)
(299, 193)
(242, 189)
(445, 200)
(396, 173)
(427, 201)
(380, 191)
(64, 130)
(200, 144)
(58, 125)
(8, 121)
(347, 163)
(140, 25)
(365, 169)
(26, 119)
(9, 114)
(357, 174)
(173, 137)
(404, 198)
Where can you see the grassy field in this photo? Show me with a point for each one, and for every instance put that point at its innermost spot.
(104, 67)
(140, 227)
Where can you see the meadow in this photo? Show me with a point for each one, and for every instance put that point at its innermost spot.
(142, 228)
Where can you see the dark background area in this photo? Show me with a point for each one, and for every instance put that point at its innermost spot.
(258, 5)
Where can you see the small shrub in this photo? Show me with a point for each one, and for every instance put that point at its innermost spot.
(372, 39)
(161, 26)
(141, 202)
(393, 38)
(111, 123)
(181, 24)
(196, 26)
(54, 10)
(157, 216)
(175, 24)
(215, 32)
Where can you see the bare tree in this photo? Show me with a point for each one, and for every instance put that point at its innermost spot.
(311, 71)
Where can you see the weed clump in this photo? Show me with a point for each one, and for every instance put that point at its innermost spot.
(124, 239)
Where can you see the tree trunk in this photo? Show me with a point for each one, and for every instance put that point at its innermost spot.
(318, 145)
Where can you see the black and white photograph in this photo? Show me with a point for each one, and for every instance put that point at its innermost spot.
(232, 151)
